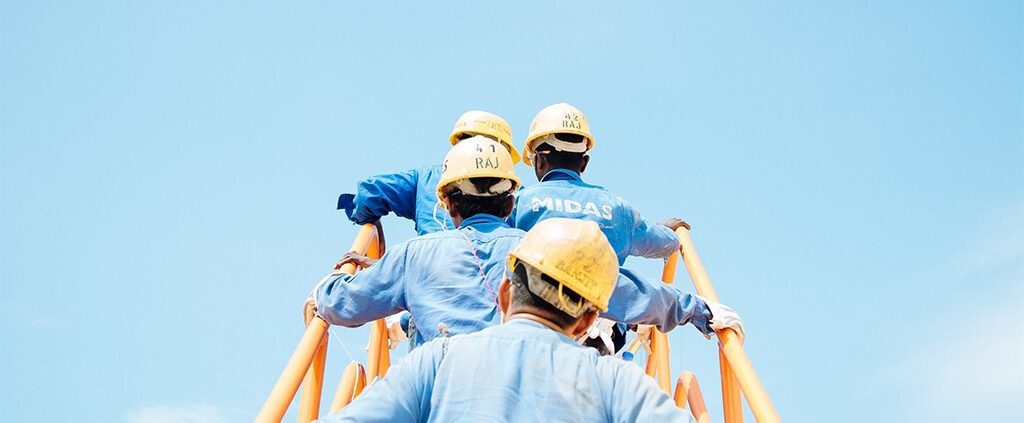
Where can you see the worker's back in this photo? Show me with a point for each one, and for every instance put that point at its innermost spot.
(518, 371)
(447, 277)
(562, 193)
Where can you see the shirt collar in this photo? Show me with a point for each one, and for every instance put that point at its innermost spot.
(561, 175)
(522, 322)
(482, 219)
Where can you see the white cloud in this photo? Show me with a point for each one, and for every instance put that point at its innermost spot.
(177, 414)
(972, 367)
(977, 372)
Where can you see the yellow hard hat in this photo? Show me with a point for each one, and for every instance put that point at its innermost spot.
(478, 157)
(575, 253)
(561, 118)
(476, 122)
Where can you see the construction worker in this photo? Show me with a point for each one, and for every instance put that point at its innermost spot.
(529, 368)
(448, 280)
(412, 194)
(448, 276)
(557, 147)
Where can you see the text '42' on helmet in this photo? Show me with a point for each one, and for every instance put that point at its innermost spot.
(573, 252)
(476, 122)
(561, 118)
(478, 157)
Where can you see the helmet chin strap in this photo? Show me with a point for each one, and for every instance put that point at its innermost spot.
(433, 214)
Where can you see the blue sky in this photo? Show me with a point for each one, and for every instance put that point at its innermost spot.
(854, 172)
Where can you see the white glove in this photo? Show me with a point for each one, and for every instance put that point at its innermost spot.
(722, 316)
(395, 332)
(643, 333)
(602, 328)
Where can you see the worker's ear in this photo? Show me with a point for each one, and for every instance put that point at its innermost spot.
(540, 165)
(585, 322)
(504, 297)
(447, 205)
(583, 166)
(510, 203)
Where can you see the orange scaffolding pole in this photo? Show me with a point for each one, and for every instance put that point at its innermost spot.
(688, 391)
(352, 382)
(736, 367)
(276, 405)
(658, 364)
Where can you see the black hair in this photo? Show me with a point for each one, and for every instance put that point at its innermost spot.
(563, 159)
(525, 298)
(467, 205)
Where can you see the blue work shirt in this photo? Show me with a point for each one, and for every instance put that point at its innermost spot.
(520, 371)
(411, 195)
(437, 278)
(562, 193)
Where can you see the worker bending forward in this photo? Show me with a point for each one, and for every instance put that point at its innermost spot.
(411, 194)
(528, 369)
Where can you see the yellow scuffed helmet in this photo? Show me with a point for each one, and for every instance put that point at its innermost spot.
(561, 118)
(476, 122)
(573, 252)
(478, 157)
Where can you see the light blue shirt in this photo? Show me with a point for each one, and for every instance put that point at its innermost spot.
(411, 195)
(520, 371)
(562, 193)
(437, 278)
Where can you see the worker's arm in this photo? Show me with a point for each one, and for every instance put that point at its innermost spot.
(376, 196)
(403, 395)
(371, 294)
(651, 240)
(640, 301)
(634, 397)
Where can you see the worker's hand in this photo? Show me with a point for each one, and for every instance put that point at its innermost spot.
(356, 259)
(643, 333)
(722, 317)
(675, 223)
(309, 307)
(395, 332)
(380, 233)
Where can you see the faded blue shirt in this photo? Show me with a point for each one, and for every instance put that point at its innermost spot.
(562, 193)
(520, 371)
(411, 195)
(437, 278)
(448, 277)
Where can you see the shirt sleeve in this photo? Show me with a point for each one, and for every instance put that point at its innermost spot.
(640, 301)
(634, 397)
(403, 395)
(650, 240)
(376, 196)
(371, 294)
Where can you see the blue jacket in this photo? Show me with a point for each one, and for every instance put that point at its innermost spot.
(411, 195)
(437, 278)
(520, 371)
(562, 193)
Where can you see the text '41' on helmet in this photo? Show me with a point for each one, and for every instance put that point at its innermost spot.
(478, 157)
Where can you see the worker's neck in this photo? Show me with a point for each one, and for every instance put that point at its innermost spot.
(529, 316)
